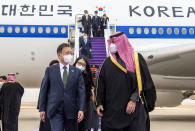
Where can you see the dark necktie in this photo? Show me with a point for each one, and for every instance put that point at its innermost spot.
(65, 76)
(85, 41)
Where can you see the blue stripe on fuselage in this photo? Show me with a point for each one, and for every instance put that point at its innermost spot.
(34, 31)
(158, 32)
(138, 32)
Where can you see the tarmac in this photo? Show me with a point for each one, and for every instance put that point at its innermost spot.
(180, 118)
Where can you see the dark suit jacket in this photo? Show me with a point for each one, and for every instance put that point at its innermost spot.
(53, 93)
(85, 46)
(95, 21)
(102, 23)
(86, 22)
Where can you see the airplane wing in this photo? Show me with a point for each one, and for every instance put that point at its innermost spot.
(167, 53)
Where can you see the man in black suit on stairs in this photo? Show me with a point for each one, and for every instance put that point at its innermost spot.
(96, 24)
(85, 46)
(86, 23)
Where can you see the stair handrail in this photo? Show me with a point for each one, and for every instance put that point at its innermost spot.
(107, 35)
(77, 35)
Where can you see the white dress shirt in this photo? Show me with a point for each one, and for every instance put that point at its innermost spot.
(62, 69)
(86, 17)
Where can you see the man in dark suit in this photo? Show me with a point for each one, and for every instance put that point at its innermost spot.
(46, 126)
(96, 24)
(86, 23)
(62, 93)
(85, 46)
(103, 24)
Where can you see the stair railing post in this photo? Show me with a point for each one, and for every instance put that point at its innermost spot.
(107, 35)
(76, 46)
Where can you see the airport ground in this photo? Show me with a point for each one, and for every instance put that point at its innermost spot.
(180, 118)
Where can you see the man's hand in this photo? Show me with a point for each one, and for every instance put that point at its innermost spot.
(42, 116)
(131, 107)
(90, 50)
(80, 48)
(80, 116)
(99, 109)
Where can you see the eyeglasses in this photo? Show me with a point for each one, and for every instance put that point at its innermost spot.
(82, 64)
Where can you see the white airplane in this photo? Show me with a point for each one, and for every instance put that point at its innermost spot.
(163, 31)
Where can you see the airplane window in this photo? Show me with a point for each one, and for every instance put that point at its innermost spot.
(131, 30)
(139, 30)
(169, 31)
(40, 30)
(32, 29)
(48, 30)
(184, 31)
(191, 30)
(17, 29)
(146, 31)
(63, 30)
(55, 30)
(25, 29)
(176, 31)
(160, 31)
(153, 31)
(2, 29)
(9, 30)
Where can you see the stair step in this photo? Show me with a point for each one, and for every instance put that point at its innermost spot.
(98, 48)
(103, 46)
(99, 57)
(98, 42)
(99, 61)
(97, 38)
(101, 53)
(96, 60)
(98, 45)
(93, 63)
